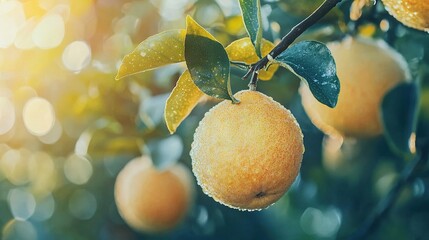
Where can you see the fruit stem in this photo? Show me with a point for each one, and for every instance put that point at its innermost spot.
(414, 170)
(288, 39)
(241, 65)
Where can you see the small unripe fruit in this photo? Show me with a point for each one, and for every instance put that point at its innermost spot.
(247, 155)
(367, 70)
(150, 200)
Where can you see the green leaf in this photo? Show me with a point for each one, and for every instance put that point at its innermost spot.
(251, 10)
(156, 51)
(207, 62)
(312, 61)
(399, 115)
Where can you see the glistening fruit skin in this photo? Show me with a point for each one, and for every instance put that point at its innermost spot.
(412, 13)
(150, 200)
(367, 70)
(247, 155)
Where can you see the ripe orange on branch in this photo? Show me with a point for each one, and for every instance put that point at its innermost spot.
(367, 70)
(247, 155)
(150, 200)
(412, 13)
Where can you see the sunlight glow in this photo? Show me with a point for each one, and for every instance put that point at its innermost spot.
(24, 38)
(7, 115)
(76, 56)
(54, 135)
(12, 17)
(14, 166)
(39, 116)
(49, 32)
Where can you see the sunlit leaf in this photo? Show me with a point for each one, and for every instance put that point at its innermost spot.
(251, 10)
(242, 50)
(399, 115)
(156, 51)
(312, 61)
(193, 28)
(182, 100)
(207, 62)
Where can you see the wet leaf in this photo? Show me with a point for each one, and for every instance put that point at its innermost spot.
(312, 61)
(182, 100)
(251, 10)
(207, 62)
(156, 51)
(242, 50)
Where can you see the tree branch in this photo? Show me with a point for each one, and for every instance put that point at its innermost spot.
(411, 172)
(289, 38)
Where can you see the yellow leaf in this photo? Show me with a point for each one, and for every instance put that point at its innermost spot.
(156, 51)
(242, 50)
(193, 28)
(182, 100)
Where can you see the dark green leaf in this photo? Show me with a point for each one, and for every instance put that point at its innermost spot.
(251, 10)
(312, 61)
(399, 115)
(207, 62)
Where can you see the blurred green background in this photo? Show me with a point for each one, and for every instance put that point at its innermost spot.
(67, 127)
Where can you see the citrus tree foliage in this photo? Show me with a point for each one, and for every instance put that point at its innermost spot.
(208, 63)
(118, 78)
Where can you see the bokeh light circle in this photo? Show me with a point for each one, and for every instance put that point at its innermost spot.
(14, 167)
(39, 116)
(53, 135)
(76, 56)
(12, 17)
(16, 229)
(22, 204)
(7, 115)
(45, 208)
(49, 32)
(77, 169)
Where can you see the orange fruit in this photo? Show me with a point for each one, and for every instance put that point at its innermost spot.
(150, 200)
(247, 155)
(367, 69)
(412, 13)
